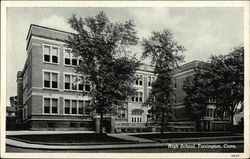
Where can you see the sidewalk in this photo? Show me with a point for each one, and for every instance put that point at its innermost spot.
(131, 138)
(28, 132)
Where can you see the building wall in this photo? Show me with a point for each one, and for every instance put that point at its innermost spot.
(35, 92)
(179, 77)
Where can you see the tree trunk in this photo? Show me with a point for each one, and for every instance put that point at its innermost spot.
(162, 121)
(101, 122)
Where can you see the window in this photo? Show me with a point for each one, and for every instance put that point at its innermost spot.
(80, 84)
(67, 107)
(74, 107)
(50, 80)
(76, 83)
(87, 87)
(81, 107)
(74, 61)
(67, 60)
(46, 105)
(70, 59)
(54, 80)
(54, 55)
(67, 82)
(47, 79)
(137, 112)
(149, 81)
(46, 53)
(138, 81)
(50, 105)
(50, 54)
(138, 97)
(54, 106)
(121, 113)
(175, 83)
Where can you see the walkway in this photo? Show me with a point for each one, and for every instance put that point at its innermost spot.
(28, 132)
(131, 138)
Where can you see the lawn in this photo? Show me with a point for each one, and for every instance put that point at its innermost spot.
(181, 135)
(88, 138)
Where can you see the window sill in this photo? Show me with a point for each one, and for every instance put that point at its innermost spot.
(81, 115)
(70, 90)
(51, 114)
(46, 62)
(55, 89)
(70, 65)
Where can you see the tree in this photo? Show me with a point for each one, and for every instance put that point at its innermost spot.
(221, 78)
(106, 61)
(164, 53)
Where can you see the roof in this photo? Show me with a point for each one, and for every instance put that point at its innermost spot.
(187, 66)
(35, 25)
(46, 32)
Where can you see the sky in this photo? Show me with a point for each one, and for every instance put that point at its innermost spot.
(202, 31)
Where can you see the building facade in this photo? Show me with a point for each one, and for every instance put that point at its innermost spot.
(49, 91)
(49, 97)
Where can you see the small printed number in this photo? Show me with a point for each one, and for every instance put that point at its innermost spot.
(235, 155)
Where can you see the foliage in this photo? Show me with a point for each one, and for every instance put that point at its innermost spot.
(164, 53)
(221, 78)
(106, 61)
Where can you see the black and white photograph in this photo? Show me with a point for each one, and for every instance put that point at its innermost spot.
(124, 79)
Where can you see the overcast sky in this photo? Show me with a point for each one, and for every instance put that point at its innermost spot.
(202, 31)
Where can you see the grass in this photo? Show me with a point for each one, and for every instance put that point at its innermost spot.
(181, 135)
(69, 138)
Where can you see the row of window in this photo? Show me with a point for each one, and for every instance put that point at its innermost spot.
(121, 114)
(139, 80)
(71, 82)
(136, 119)
(137, 97)
(74, 107)
(51, 55)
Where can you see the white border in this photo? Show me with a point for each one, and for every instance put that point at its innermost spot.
(5, 4)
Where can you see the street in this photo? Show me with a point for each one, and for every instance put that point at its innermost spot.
(239, 148)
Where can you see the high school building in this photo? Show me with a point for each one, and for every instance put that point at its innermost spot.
(49, 98)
